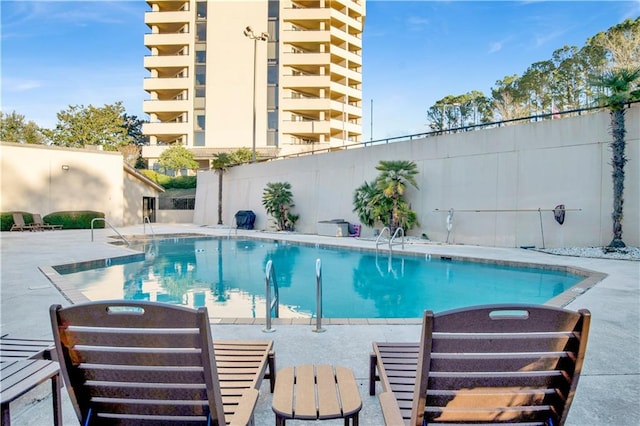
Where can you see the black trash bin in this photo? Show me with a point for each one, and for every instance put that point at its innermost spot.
(245, 219)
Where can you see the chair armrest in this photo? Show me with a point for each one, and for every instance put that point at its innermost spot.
(244, 411)
(390, 409)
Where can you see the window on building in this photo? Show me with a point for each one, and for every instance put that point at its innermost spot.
(272, 100)
(200, 92)
(272, 74)
(200, 120)
(201, 75)
(272, 120)
(201, 8)
(199, 139)
(201, 31)
(201, 56)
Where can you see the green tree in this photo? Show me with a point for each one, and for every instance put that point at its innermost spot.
(242, 155)
(277, 200)
(15, 128)
(622, 87)
(383, 200)
(80, 126)
(177, 158)
(392, 181)
(133, 125)
(220, 164)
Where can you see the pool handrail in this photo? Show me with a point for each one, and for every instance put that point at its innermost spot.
(391, 238)
(146, 220)
(318, 328)
(271, 305)
(110, 226)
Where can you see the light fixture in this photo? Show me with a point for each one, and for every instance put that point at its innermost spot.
(264, 36)
(65, 167)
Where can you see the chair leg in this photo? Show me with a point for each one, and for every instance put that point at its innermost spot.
(57, 406)
(272, 371)
(373, 360)
(6, 415)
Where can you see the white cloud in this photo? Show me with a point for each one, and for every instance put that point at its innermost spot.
(18, 85)
(495, 47)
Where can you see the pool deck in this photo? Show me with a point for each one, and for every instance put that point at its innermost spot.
(609, 388)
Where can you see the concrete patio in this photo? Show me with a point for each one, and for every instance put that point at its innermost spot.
(609, 388)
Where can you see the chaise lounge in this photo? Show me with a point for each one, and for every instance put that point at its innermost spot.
(138, 363)
(488, 364)
(19, 225)
(37, 221)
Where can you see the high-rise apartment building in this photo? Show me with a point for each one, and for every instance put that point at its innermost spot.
(273, 76)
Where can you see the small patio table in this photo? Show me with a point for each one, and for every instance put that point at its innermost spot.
(25, 364)
(316, 392)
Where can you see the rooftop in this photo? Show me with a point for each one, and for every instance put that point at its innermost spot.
(609, 386)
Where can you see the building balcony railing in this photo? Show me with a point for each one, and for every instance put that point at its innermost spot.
(301, 81)
(293, 36)
(305, 128)
(166, 128)
(180, 39)
(305, 104)
(292, 59)
(167, 61)
(291, 14)
(151, 84)
(168, 17)
(153, 106)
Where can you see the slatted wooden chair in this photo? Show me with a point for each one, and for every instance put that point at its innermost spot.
(484, 365)
(137, 363)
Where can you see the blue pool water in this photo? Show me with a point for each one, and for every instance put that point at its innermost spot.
(228, 276)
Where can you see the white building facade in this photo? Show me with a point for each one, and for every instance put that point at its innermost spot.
(277, 77)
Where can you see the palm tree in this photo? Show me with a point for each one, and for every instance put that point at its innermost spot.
(392, 181)
(220, 163)
(622, 87)
(277, 199)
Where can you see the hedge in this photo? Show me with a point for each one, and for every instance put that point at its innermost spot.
(68, 220)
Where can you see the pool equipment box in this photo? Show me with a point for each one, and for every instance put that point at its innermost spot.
(333, 228)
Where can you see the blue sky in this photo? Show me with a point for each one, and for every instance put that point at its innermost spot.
(61, 53)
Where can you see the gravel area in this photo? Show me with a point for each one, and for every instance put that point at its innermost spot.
(625, 253)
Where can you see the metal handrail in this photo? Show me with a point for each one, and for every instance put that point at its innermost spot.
(319, 328)
(381, 234)
(146, 220)
(272, 305)
(391, 238)
(110, 226)
(395, 234)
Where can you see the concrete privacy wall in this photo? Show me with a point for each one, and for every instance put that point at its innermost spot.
(43, 179)
(507, 173)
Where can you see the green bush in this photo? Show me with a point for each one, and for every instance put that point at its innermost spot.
(75, 219)
(180, 182)
(6, 219)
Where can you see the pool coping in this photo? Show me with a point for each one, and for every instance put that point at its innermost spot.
(74, 296)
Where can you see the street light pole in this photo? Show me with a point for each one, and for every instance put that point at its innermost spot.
(248, 32)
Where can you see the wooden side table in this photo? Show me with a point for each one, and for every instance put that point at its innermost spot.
(316, 392)
(19, 377)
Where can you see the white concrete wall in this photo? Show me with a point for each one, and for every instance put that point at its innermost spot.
(33, 180)
(521, 167)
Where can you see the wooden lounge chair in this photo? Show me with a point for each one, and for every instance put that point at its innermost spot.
(129, 363)
(19, 225)
(488, 364)
(37, 221)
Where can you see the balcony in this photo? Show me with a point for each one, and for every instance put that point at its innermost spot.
(305, 104)
(181, 39)
(167, 61)
(311, 81)
(153, 106)
(307, 14)
(152, 84)
(166, 128)
(293, 36)
(305, 128)
(289, 59)
(154, 18)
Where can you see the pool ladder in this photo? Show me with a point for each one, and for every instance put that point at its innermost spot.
(110, 226)
(391, 241)
(272, 303)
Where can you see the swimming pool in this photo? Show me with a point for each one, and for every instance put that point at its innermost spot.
(227, 275)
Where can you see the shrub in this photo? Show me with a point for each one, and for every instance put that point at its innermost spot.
(181, 182)
(75, 219)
